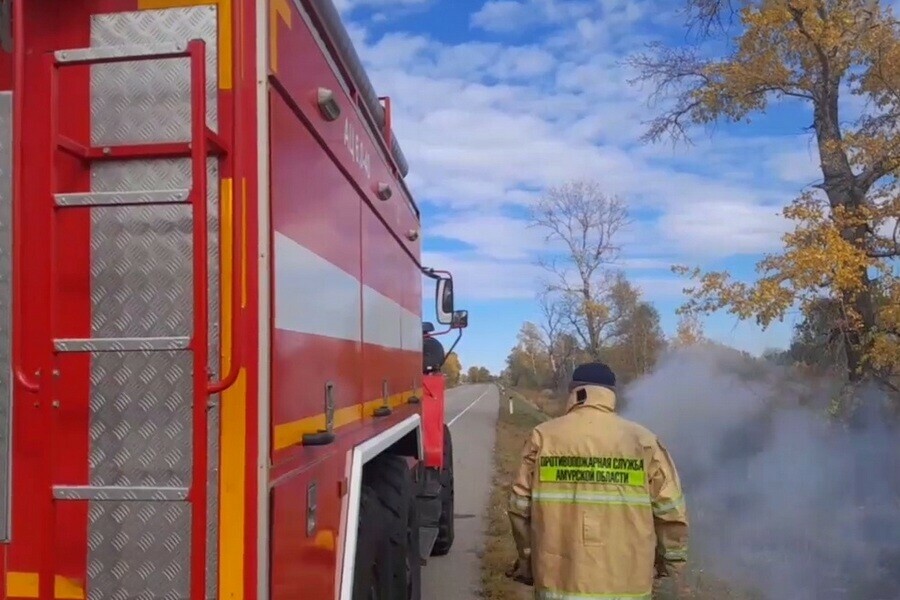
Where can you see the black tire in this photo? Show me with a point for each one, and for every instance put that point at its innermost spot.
(371, 574)
(391, 479)
(446, 523)
(432, 355)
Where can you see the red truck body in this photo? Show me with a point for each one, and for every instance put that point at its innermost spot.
(198, 424)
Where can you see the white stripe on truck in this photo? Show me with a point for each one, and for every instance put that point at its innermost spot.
(314, 296)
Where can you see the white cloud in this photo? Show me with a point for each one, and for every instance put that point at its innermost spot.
(580, 27)
(347, 6)
(471, 142)
(723, 227)
(486, 124)
(660, 288)
(487, 279)
(470, 61)
(492, 236)
(504, 15)
(798, 166)
(635, 264)
(512, 15)
(523, 62)
(394, 49)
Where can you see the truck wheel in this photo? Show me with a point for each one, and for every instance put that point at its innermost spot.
(371, 575)
(445, 525)
(391, 478)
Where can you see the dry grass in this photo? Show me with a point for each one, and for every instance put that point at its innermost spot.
(547, 402)
(499, 550)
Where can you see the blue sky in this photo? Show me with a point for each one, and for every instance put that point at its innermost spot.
(495, 100)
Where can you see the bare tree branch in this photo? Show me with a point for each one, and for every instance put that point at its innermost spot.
(551, 309)
(675, 73)
(709, 17)
(585, 223)
(685, 79)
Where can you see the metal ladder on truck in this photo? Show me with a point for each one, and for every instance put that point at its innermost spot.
(139, 498)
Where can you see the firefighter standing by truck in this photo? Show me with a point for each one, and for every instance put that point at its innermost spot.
(596, 509)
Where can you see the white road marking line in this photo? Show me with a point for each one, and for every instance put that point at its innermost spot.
(466, 409)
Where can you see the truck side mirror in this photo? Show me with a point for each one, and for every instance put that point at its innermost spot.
(460, 319)
(444, 301)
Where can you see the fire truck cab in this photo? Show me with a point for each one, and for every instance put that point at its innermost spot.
(217, 381)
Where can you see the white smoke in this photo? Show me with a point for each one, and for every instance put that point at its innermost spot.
(780, 499)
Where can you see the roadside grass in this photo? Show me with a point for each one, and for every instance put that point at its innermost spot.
(499, 550)
(547, 402)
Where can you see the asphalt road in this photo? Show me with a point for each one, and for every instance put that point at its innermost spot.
(471, 412)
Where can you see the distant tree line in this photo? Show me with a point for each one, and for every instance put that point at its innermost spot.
(479, 375)
(631, 350)
(454, 375)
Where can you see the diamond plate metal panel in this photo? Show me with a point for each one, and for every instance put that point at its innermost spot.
(142, 286)
(141, 271)
(5, 297)
(140, 431)
(149, 101)
(138, 550)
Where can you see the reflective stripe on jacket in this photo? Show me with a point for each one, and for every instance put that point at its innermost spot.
(597, 504)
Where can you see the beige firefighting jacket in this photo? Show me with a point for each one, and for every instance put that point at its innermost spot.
(597, 505)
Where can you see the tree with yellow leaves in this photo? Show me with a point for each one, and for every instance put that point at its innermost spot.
(845, 242)
(690, 330)
(452, 370)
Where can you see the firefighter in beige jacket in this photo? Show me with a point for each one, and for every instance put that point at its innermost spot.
(596, 509)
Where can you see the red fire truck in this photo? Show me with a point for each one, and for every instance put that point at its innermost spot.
(219, 383)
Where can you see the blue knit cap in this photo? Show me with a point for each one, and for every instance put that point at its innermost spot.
(595, 373)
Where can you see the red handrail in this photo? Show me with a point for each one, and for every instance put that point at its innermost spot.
(237, 245)
(200, 338)
(18, 320)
